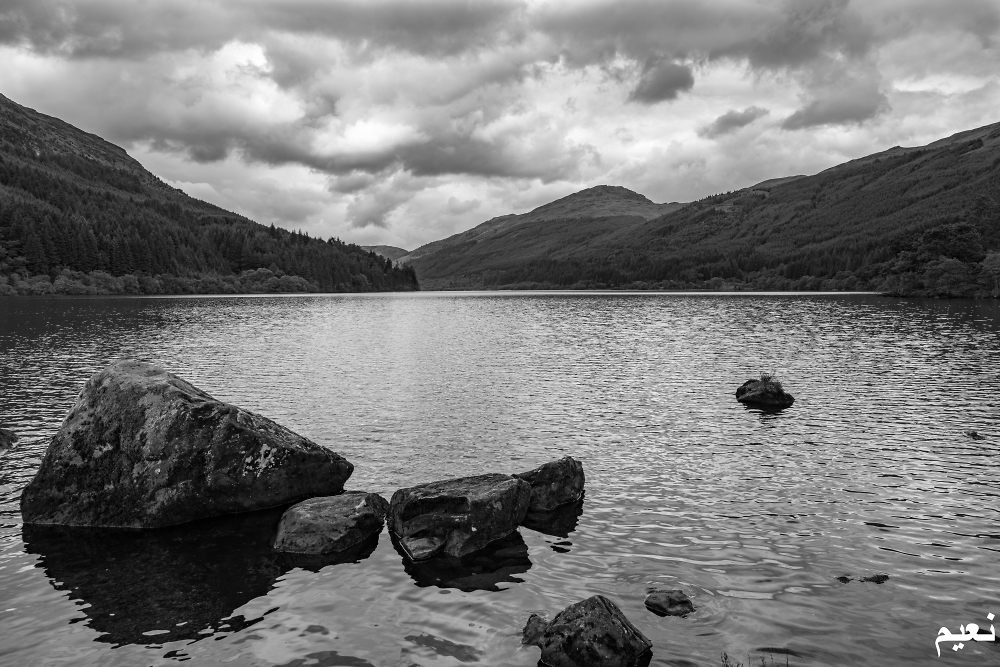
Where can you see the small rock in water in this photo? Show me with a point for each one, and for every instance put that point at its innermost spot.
(591, 633)
(878, 578)
(765, 392)
(142, 448)
(457, 516)
(330, 524)
(554, 483)
(974, 435)
(669, 603)
(7, 439)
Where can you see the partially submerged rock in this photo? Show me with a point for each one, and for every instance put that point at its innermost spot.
(877, 578)
(591, 633)
(669, 603)
(457, 516)
(554, 483)
(330, 524)
(765, 392)
(559, 522)
(972, 434)
(499, 562)
(7, 439)
(142, 448)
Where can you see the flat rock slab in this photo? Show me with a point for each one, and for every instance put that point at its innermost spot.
(754, 392)
(669, 603)
(554, 483)
(330, 524)
(591, 633)
(142, 448)
(457, 516)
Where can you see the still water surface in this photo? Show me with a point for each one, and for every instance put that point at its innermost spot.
(754, 515)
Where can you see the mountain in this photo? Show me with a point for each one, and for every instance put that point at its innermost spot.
(78, 215)
(922, 221)
(566, 225)
(387, 251)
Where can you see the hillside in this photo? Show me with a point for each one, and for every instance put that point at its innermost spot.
(577, 221)
(387, 251)
(78, 215)
(922, 220)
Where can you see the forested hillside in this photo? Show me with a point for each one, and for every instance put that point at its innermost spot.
(922, 221)
(79, 216)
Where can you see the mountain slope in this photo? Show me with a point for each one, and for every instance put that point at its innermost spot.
(387, 251)
(894, 220)
(78, 215)
(565, 225)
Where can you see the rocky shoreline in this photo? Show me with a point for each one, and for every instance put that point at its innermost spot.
(143, 449)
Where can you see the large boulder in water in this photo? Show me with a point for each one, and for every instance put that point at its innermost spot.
(765, 392)
(331, 524)
(142, 448)
(457, 516)
(554, 483)
(591, 633)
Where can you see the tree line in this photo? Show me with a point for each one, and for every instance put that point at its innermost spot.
(73, 225)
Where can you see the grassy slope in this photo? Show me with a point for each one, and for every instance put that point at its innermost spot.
(854, 218)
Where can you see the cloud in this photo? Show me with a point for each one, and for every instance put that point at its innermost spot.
(457, 207)
(391, 118)
(661, 81)
(840, 94)
(126, 29)
(731, 121)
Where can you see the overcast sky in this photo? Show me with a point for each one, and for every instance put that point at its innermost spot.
(402, 122)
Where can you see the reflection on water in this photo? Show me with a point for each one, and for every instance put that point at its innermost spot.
(482, 570)
(753, 514)
(181, 582)
(316, 562)
(559, 522)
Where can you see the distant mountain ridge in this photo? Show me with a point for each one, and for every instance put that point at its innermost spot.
(612, 202)
(919, 220)
(387, 251)
(78, 215)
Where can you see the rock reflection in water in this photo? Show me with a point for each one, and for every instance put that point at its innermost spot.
(559, 522)
(481, 570)
(316, 562)
(174, 583)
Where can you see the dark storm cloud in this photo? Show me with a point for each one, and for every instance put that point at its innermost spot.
(660, 81)
(731, 121)
(850, 107)
(466, 60)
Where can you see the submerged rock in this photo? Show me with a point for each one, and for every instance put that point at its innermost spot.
(534, 630)
(591, 633)
(142, 448)
(560, 522)
(7, 439)
(499, 562)
(330, 524)
(878, 578)
(457, 516)
(765, 392)
(554, 483)
(669, 603)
